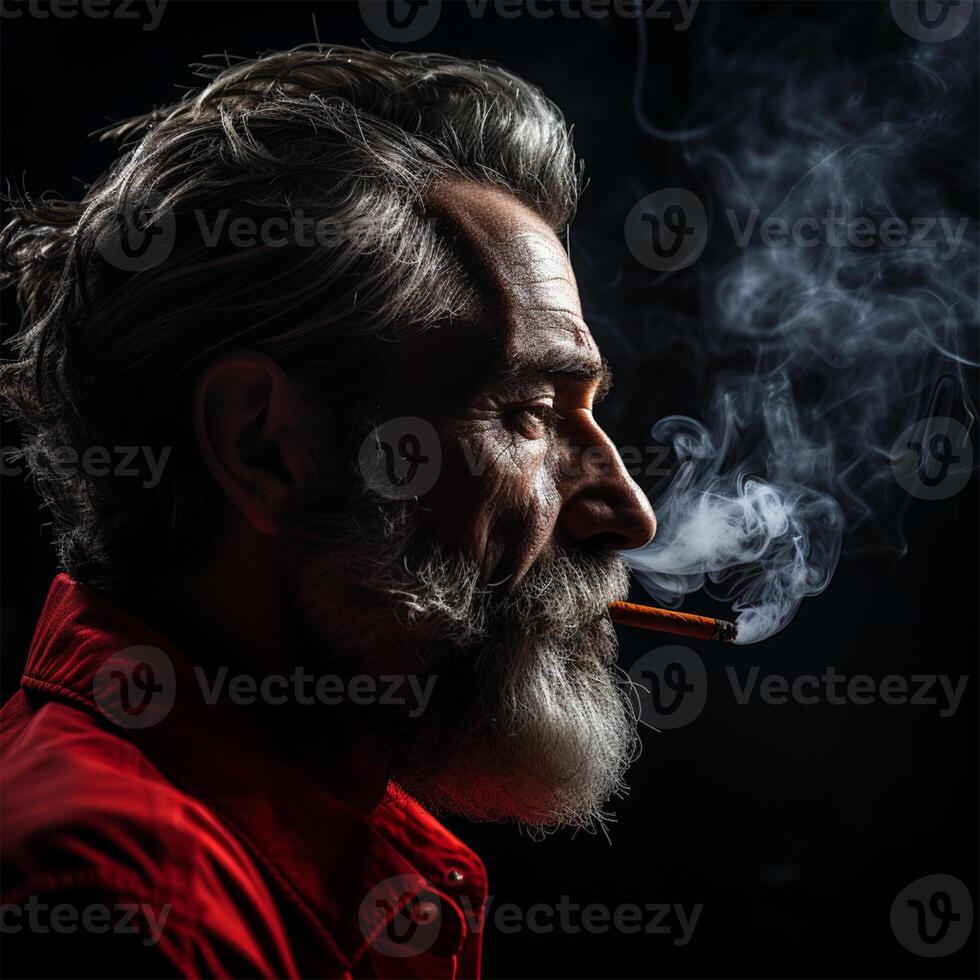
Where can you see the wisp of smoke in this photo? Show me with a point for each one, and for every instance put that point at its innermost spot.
(839, 346)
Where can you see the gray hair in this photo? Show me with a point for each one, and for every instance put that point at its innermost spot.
(353, 138)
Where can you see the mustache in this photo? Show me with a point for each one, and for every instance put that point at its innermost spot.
(569, 589)
(439, 595)
(564, 591)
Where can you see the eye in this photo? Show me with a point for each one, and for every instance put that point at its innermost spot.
(532, 421)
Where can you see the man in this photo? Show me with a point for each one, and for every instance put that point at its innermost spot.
(358, 559)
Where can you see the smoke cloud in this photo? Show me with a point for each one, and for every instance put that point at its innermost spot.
(839, 291)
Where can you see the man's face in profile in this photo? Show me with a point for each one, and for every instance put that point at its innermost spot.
(499, 576)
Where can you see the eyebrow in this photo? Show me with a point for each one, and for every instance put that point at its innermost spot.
(558, 365)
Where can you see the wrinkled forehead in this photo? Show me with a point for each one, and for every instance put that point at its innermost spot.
(527, 290)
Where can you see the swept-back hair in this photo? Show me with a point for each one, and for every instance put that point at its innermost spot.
(339, 145)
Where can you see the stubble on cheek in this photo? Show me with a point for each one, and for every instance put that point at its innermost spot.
(496, 500)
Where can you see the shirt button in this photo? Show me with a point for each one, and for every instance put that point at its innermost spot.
(456, 877)
(425, 913)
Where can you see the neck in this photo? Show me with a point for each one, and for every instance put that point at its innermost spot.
(234, 611)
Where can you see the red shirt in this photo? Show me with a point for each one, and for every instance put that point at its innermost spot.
(146, 832)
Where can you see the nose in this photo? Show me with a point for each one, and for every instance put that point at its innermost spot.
(603, 506)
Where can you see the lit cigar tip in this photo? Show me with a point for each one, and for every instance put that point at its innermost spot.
(727, 631)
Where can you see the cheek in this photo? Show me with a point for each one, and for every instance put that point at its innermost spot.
(497, 497)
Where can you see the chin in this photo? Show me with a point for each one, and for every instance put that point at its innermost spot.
(552, 750)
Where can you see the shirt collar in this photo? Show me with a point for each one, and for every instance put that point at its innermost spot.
(322, 853)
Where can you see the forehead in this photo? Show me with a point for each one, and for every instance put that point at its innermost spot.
(529, 302)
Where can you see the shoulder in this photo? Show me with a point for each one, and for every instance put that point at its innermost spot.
(88, 819)
(66, 779)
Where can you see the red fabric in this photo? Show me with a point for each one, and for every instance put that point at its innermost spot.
(263, 872)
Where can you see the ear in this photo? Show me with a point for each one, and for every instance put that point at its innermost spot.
(254, 432)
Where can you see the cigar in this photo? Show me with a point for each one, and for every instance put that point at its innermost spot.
(668, 621)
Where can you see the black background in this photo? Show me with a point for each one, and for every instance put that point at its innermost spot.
(795, 825)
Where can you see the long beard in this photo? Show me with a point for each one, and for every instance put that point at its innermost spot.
(528, 719)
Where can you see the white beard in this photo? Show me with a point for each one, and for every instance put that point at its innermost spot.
(528, 721)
